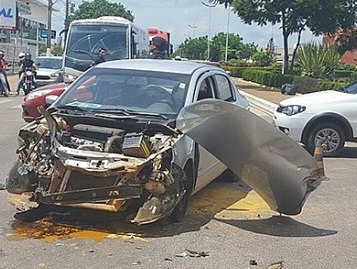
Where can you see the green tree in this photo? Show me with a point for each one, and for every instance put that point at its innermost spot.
(193, 48)
(262, 58)
(97, 8)
(346, 40)
(196, 48)
(56, 50)
(236, 48)
(296, 15)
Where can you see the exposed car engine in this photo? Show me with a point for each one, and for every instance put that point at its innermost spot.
(83, 162)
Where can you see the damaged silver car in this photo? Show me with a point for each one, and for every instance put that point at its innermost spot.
(141, 136)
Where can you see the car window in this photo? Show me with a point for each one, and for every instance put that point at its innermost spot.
(224, 89)
(50, 63)
(134, 90)
(205, 90)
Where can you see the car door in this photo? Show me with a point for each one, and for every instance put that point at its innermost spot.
(209, 166)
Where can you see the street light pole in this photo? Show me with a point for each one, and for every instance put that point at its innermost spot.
(193, 27)
(49, 30)
(210, 6)
(227, 37)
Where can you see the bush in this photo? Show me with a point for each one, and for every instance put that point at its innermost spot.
(353, 77)
(330, 85)
(306, 84)
(344, 73)
(267, 78)
(234, 70)
(309, 84)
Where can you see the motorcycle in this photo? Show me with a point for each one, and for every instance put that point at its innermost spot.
(28, 81)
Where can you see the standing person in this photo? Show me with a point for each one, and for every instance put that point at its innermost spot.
(102, 53)
(3, 78)
(26, 63)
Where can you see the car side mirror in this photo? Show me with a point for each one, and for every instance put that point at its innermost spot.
(50, 99)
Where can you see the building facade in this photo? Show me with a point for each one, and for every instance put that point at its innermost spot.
(30, 16)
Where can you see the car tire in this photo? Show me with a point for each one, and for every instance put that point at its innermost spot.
(179, 211)
(331, 135)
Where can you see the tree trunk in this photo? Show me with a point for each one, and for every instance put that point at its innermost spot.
(296, 48)
(286, 44)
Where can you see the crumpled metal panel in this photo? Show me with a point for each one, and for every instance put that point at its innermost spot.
(267, 160)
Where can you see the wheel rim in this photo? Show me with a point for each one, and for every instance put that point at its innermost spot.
(329, 138)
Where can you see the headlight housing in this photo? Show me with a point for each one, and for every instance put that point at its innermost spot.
(55, 75)
(36, 94)
(291, 110)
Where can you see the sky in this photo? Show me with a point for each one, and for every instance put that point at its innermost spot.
(175, 16)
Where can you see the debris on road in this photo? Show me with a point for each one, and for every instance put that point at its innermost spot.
(192, 253)
(196, 254)
(168, 259)
(253, 262)
(276, 265)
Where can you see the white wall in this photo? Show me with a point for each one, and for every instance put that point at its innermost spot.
(38, 11)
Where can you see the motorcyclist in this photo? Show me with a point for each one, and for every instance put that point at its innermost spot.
(5, 87)
(26, 63)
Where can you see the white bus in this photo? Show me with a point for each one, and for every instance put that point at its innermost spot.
(119, 36)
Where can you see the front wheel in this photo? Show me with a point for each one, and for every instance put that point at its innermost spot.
(180, 210)
(331, 137)
(27, 88)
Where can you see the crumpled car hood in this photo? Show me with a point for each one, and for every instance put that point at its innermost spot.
(267, 160)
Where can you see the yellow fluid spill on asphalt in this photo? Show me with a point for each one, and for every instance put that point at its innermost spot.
(50, 232)
(228, 201)
(222, 201)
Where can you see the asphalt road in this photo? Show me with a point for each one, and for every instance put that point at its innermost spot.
(226, 221)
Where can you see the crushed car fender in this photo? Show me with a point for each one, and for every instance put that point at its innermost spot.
(267, 160)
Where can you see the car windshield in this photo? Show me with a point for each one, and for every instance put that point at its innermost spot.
(130, 91)
(84, 42)
(351, 88)
(50, 63)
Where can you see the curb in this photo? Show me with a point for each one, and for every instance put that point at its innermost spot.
(264, 105)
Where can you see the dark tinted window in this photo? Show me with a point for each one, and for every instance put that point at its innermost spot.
(205, 90)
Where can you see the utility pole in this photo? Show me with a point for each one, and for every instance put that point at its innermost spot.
(66, 21)
(49, 26)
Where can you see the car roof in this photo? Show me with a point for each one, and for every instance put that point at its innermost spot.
(170, 66)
